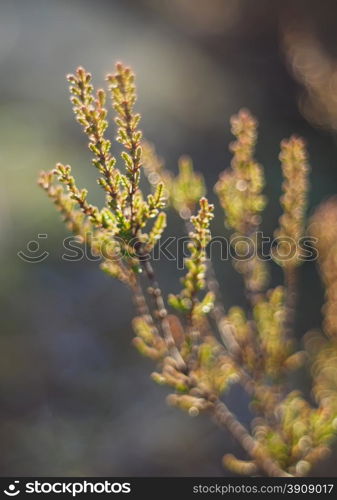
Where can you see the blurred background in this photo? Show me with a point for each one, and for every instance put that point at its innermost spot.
(75, 397)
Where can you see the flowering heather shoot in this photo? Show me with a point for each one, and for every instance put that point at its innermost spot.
(200, 345)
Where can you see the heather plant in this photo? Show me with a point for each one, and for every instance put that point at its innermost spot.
(200, 347)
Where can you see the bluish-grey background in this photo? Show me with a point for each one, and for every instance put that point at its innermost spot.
(75, 397)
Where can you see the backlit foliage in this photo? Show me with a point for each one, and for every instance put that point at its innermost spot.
(199, 347)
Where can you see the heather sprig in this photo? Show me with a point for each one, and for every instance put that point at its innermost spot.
(123, 94)
(240, 188)
(240, 192)
(204, 347)
(75, 219)
(90, 112)
(323, 228)
(194, 280)
(295, 186)
(182, 191)
(269, 316)
(63, 173)
(186, 188)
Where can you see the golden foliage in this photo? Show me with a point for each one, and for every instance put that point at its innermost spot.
(257, 347)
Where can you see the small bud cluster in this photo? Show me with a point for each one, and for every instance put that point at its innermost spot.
(184, 190)
(239, 190)
(194, 280)
(295, 169)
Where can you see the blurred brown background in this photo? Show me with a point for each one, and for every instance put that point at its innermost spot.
(75, 398)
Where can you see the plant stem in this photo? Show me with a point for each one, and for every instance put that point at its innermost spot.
(226, 419)
(161, 313)
(291, 278)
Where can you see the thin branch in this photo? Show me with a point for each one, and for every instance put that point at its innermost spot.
(226, 419)
(161, 313)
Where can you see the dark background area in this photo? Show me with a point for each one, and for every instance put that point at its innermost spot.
(75, 397)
